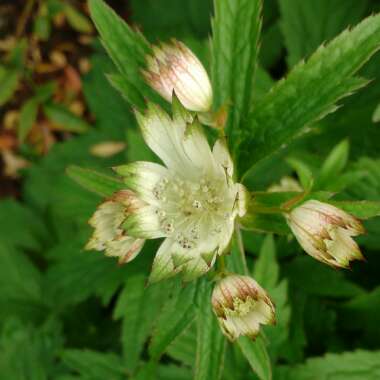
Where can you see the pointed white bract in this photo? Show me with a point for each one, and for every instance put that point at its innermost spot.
(325, 232)
(192, 201)
(241, 306)
(174, 68)
(109, 234)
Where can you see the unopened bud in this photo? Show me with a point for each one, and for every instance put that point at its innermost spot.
(174, 68)
(109, 234)
(324, 232)
(241, 306)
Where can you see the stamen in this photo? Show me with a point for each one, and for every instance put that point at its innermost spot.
(197, 204)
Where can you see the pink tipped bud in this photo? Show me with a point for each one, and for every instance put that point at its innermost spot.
(109, 234)
(174, 68)
(241, 306)
(324, 232)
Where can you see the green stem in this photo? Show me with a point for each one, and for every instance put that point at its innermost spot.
(239, 240)
(222, 265)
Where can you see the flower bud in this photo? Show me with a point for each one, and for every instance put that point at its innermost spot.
(173, 67)
(241, 306)
(109, 234)
(324, 232)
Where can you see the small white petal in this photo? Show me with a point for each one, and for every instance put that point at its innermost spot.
(142, 177)
(222, 157)
(164, 137)
(126, 247)
(163, 266)
(197, 148)
(144, 223)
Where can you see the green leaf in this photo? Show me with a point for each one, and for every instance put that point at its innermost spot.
(303, 172)
(356, 365)
(266, 269)
(363, 311)
(45, 91)
(96, 182)
(173, 372)
(65, 119)
(270, 223)
(29, 353)
(360, 209)
(127, 90)
(137, 150)
(278, 334)
(176, 19)
(292, 105)
(138, 305)
(267, 201)
(9, 80)
(42, 26)
(236, 32)
(349, 179)
(28, 116)
(20, 226)
(235, 262)
(256, 354)
(77, 20)
(109, 108)
(20, 286)
(317, 279)
(94, 365)
(78, 275)
(171, 323)
(376, 114)
(306, 23)
(211, 343)
(266, 273)
(333, 165)
(183, 348)
(126, 48)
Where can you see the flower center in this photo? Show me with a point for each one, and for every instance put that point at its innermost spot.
(241, 307)
(184, 207)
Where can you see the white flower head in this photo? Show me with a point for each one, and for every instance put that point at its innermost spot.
(241, 306)
(325, 232)
(174, 68)
(192, 201)
(109, 234)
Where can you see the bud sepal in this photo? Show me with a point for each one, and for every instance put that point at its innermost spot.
(241, 306)
(173, 68)
(325, 232)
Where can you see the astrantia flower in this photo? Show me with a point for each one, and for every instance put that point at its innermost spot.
(109, 234)
(192, 201)
(174, 68)
(325, 231)
(241, 306)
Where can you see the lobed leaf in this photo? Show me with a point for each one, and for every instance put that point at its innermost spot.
(211, 343)
(309, 93)
(93, 364)
(126, 47)
(357, 365)
(236, 31)
(256, 354)
(171, 323)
